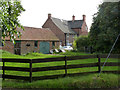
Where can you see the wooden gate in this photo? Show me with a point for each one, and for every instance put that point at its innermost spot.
(44, 47)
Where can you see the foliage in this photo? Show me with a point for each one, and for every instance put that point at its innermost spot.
(9, 12)
(82, 42)
(74, 45)
(105, 27)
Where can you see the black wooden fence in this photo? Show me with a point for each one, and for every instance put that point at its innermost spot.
(62, 67)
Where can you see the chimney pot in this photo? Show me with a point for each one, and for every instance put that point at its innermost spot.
(49, 15)
(84, 17)
(73, 18)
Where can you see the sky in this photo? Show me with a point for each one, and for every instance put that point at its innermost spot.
(37, 11)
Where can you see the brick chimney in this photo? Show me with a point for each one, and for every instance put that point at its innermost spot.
(84, 17)
(73, 18)
(49, 16)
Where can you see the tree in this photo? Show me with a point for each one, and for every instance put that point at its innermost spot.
(82, 42)
(9, 12)
(105, 27)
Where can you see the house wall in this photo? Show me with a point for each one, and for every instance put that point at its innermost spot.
(57, 44)
(70, 38)
(83, 29)
(9, 46)
(78, 31)
(49, 24)
(25, 49)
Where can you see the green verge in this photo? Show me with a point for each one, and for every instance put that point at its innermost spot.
(84, 81)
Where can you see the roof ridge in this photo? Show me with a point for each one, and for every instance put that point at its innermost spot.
(32, 27)
(74, 20)
(65, 20)
(59, 18)
(36, 28)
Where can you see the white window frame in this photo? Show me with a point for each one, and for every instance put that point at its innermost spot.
(67, 35)
(86, 28)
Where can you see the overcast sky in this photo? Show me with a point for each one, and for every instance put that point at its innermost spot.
(37, 10)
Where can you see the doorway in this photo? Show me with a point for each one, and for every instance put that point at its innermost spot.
(17, 47)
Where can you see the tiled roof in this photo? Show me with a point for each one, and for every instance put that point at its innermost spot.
(67, 26)
(31, 33)
(75, 24)
(63, 25)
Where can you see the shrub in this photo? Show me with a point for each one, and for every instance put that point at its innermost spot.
(82, 43)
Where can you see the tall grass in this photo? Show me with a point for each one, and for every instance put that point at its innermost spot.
(86, 81)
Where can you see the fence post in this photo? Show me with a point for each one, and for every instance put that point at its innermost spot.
(30, 70)
(3, 70)
(65, 66)
(99, 64)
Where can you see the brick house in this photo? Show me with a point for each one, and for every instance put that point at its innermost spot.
(32, 40)
(66, 30)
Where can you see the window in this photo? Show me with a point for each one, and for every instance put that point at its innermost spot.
(67, 42)
(60, 42)
(67, 35)
(53, 44)
(86, 28)
(36, 43)
(73, 35)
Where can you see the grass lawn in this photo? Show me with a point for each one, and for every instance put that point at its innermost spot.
(72, 81)
(6, 54)
(68, 53)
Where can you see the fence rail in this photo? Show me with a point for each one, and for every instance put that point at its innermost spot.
(65, 67)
